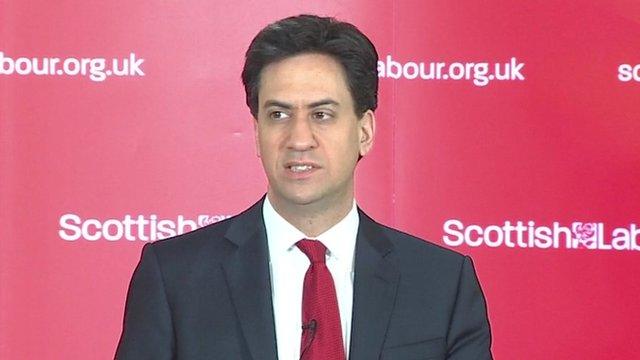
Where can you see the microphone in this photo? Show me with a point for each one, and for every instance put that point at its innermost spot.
(311, 325)
(308, 334)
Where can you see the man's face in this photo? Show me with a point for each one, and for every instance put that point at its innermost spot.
(308, 135)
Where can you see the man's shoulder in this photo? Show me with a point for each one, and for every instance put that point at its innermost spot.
(413, 251)
(413, 244)
(197, 237)
(212, 237)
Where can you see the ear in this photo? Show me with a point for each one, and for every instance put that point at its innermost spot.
(367, 131)
(255, 134)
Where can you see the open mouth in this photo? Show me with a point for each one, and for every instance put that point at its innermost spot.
(300, 168)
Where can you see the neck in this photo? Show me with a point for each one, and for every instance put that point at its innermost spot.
(316, 218)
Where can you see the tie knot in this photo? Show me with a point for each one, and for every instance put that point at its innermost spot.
(315, 250)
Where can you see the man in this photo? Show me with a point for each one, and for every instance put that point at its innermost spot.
(304, 273)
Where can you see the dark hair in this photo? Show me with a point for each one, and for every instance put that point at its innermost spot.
(313, 34)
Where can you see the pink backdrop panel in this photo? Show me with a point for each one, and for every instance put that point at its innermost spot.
(490, 114)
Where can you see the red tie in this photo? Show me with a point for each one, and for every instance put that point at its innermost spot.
(321, 329)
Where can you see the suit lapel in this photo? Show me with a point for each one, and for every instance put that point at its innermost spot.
(247, 273)
(374, 290)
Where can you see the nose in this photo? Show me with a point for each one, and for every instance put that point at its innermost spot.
(301, 134)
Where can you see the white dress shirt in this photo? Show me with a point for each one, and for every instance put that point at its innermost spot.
(288, 266)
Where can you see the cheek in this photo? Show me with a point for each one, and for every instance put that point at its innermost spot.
(346, 148)
(267, 147)
(354, 140)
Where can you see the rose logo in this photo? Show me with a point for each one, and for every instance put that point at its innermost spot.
(584, 235)
(204, 220)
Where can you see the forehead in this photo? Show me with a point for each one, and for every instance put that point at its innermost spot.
(303, 79)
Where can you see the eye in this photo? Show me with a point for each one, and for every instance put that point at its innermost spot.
(278, 115)
(321, 115)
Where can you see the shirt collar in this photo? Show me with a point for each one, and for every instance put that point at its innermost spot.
(340, 239)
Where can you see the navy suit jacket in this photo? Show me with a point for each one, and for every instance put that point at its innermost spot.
(207, 295)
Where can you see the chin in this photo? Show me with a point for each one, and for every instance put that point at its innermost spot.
(297, 197)
(302, 199)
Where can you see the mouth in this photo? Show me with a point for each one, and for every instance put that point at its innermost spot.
(301, 168)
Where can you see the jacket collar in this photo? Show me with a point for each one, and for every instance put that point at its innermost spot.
(247, 273)
(374, 290)
(248, 277)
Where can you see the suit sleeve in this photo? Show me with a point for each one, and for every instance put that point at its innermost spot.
(469, 336)
(147, 330)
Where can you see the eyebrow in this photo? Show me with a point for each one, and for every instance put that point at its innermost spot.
(314, 104)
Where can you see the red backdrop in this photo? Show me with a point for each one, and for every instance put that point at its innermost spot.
(491, 113)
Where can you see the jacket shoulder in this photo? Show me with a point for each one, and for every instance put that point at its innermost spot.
(196, 238)
(212, 239)
(407, 242)
(412, 252)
